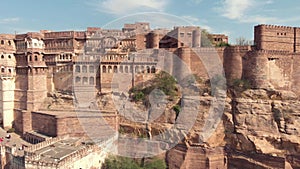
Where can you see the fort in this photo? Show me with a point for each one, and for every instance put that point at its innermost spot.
(84, 63)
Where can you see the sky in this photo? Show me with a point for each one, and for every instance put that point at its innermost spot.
(235, 18)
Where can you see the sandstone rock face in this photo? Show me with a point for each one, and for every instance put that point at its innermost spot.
(259, 129)
(266, 126)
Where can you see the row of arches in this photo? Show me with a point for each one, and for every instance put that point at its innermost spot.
(8, 56)
(65, 57)
(9, 42)
(35, 58)
(59, 44)
(84, 69)
(6, 70)
(61, 69)
(84, 80)
(128, 69)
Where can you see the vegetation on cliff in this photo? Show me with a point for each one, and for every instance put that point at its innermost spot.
(163, 81)
(116, 162)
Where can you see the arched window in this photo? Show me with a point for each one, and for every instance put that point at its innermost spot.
(2, 70)
(103, 69)
(142, 69)
(9, 70)
(84, 80)
(91, 69)
(152, 69)
(35, 58)
(109, 69)
(77, 68)
(92, 82)
(77, 80)
(115, 69)
(9, 57)
(2, 42)
(9, 42)
(43, 58)
(148, 69)
(2, 56)
(30, 58)
(84, 69)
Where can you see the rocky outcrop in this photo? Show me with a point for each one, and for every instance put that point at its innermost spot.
(259, 129)
(266, 130)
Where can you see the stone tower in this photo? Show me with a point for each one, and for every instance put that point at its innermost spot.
(7, 79)
(31, 78)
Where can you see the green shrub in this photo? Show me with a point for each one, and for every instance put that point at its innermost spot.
(139, 96)
(113, 162)
(162, 81)
(223, 44)
(116, 162)
(156, 164)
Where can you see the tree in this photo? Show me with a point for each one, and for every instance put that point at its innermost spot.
(242, 41)
(117, 162)
(113, 162)
(206, 38)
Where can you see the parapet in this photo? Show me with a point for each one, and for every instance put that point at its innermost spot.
(274, 27)
(32, 149)
(64, 34)
(35, 35)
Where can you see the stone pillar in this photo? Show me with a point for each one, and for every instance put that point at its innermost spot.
(196, 38)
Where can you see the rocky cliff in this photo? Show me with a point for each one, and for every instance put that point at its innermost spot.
(259, 129)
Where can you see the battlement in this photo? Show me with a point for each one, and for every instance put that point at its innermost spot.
(274, 27)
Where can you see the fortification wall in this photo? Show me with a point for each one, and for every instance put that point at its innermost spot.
(22, 121)
(297, 40)
(21, 87)
(271, 37)
(44, 124)
(72, 124)
(37, 88)
(232, 61)
(271, 69)
(295, 77)
(255, 69)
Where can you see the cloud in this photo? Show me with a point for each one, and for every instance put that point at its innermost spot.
(121, 7)
(9, 20)
(242, 10)
(235, 9)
